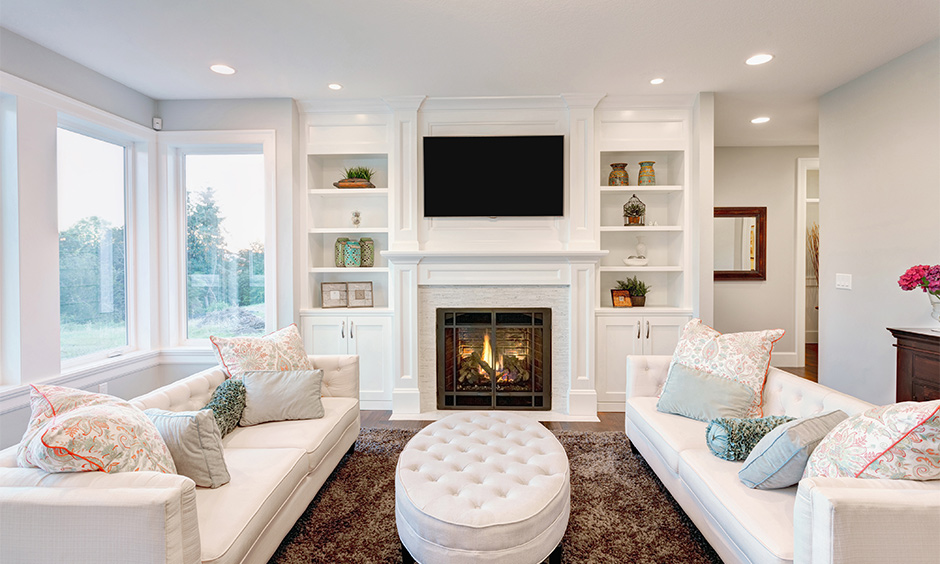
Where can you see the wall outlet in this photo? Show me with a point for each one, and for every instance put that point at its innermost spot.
(844, 281)
(158, 123)
(103, 388)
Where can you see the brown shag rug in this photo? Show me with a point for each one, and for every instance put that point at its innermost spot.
(620, 511)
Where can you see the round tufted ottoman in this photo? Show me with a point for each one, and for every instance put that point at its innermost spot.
(482, 487)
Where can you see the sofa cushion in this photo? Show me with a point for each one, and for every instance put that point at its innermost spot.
(232, 517)
(669, 433)
(227, 404)
(699, 395)
(195, 442)
(734, 438)
(314, 436)
(780, 457)
(281, 395)
(280, 350)
(896, 442)
(758, 522)
(741, 357)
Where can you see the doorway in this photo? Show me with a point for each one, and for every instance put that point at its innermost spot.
(807, 262)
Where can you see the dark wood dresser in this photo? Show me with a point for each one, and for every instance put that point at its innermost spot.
(918, 364)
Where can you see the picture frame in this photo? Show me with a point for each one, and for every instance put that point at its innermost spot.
(333, 294)
(359, 294)
(620, 298)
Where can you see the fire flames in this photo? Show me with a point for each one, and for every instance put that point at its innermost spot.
(501, 375)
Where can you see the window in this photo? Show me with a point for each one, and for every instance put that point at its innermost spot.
(224, 243)
(91, 181)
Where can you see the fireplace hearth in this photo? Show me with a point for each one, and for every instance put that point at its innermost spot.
(496, 358)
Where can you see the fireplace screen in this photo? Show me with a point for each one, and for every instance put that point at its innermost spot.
(494, 359)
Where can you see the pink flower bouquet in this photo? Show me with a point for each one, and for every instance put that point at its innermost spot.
(922, 276)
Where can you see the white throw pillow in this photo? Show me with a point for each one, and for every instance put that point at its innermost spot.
(195, 443)
(272, 395)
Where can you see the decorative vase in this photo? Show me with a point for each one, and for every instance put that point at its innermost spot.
(618, 176)
(640, 246)
(647, 176)
(352, 254)
(367, 251)
(338, 251)
(935, 304)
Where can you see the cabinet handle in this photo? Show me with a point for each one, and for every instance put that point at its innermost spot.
(647, 330)
(638, 329)
(351, 325)
(342, 330)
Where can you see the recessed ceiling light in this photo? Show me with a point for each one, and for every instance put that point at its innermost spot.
(759, 59)
(335, 86)
(762, 119)
(657, 81)
(222, 69)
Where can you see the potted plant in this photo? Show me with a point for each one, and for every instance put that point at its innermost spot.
(620, 296)
(356, 177)
(637, 288)
(634, 212)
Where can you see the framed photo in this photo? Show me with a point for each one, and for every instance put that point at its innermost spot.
(333, 294)
(620, 298)
(360, 294)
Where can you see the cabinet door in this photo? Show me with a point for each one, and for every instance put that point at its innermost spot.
(325, 335)
(616, 338)
(661, 334)
(371, 339)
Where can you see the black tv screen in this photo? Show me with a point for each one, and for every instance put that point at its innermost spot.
(520, 176)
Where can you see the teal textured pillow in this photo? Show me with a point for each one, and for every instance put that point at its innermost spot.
(778, 460)
(733, 438)
(227, 404)
(703, 396)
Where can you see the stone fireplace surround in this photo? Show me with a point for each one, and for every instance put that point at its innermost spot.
(427, 280)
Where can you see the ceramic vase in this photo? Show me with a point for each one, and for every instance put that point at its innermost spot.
(367, 251)
(352, 254)
(647, 176)
(618, 176)
(640, 246)
(338, 251)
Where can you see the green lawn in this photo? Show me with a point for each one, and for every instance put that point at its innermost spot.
(80, 339)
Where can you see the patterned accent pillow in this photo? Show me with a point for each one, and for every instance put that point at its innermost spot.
(900, 441)
(76, 431)
(734, 438)
(227, 404)
(741, 357)
(280, 350)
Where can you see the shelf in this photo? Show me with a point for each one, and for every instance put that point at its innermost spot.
(625, 189)
(345, 311)
(639, 229)
(345, 192)
(347, 269)
(642, 310)
(647, 268)
(348, 230)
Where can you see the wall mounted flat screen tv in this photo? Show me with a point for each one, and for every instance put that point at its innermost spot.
(514, 176)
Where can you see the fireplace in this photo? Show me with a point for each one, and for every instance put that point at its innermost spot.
(494, 358)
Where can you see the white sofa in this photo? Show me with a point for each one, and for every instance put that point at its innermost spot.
(148, 517)
(823, 520)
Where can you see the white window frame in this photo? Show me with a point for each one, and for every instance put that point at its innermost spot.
(173, 148)
(131, 147)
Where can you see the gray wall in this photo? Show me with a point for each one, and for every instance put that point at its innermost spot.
(762, 176)
(30, 61)
(879, 149)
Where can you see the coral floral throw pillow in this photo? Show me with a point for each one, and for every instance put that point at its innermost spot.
(898, 442)
(741, 357)
(76, 431)
(280, 350)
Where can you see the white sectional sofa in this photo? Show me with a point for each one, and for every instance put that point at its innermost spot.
(148, 517)
(823, 520)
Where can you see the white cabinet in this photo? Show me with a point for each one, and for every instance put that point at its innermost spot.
(367, 335)
(621, 335)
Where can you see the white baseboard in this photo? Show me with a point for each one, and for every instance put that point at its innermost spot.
(582, 403)
(611, 407)
(406, 402)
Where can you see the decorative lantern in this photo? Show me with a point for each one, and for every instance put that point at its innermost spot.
(634, 212)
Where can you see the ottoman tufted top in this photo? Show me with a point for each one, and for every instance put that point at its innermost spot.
(482, 469)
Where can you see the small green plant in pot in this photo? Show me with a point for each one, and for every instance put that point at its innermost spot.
(637, 288)
(356, 177)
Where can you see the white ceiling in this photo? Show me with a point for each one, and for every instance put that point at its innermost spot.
(381, 48)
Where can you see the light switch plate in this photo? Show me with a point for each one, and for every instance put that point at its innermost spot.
(844, 281)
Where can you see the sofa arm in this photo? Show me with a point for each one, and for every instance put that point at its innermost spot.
(340, 374)
(144, 517)
(840, 520)
(646, 374)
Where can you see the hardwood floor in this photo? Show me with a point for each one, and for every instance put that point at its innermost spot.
(811, 369)
(609, 421)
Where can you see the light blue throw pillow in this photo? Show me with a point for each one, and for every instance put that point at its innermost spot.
(733, 438)
(778, 459)
(703, 396)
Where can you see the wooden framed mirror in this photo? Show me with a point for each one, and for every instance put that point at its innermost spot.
(741, 243)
